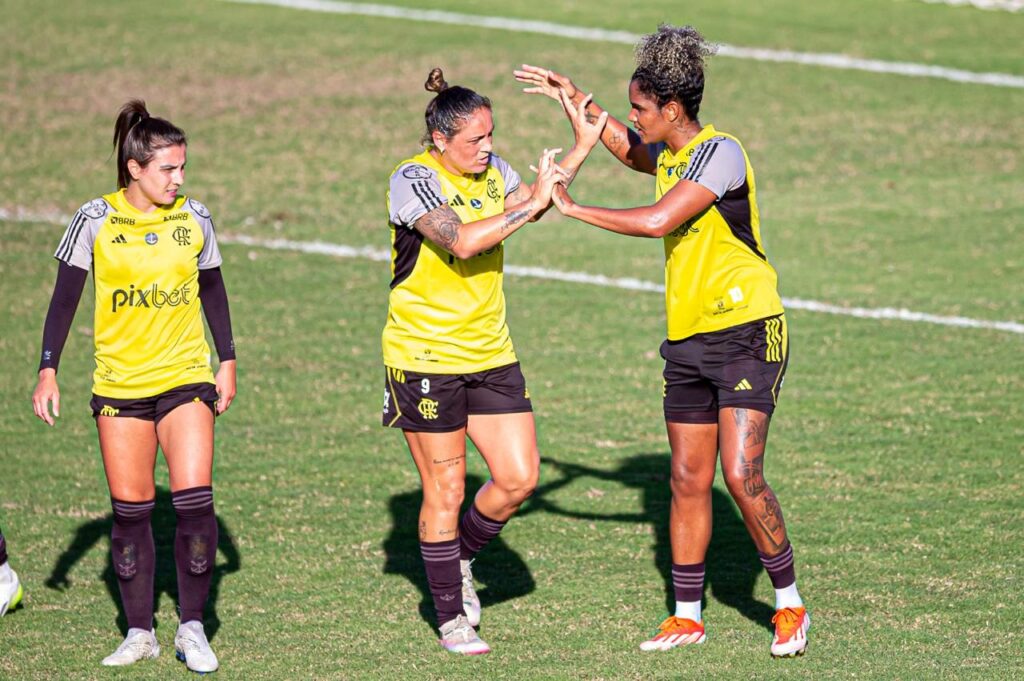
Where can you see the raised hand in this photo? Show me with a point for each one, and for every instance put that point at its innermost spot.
(545, 82)
(586, 126)
(549, 174)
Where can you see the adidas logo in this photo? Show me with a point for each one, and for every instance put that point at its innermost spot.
(119, 239)
(457, 201)
(743, 385)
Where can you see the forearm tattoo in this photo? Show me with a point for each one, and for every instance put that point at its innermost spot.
(514, 218)
(616, 142)
(441, 226)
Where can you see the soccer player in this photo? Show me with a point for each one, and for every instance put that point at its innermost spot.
(727, 345)
(450, 367)
(155, 262)
(10, 588)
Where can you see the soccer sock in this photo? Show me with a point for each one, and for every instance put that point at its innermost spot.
(783, 575)
(131, 545)
(3, 549)
(475, 531)
(441, 560)
(688, 583)
(195, 549)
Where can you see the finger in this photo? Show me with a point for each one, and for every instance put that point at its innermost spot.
(585, 102)
(56, 404)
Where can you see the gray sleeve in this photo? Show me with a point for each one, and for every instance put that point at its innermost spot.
(209, 257)
(414, 191)
(717, 164)
(510, 176)
(76, 245)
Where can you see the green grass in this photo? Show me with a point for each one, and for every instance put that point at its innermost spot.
(896, 451)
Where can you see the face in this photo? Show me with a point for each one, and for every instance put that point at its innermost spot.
(468, 151)
(650, 121)
(159, 180)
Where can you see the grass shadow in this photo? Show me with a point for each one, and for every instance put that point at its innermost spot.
(732, 564)
(502, 572)
(165, 581)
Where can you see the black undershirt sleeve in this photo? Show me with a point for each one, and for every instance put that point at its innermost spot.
(214, 298)
(66, 294)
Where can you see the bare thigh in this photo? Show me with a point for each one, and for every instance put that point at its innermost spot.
(128, 446)
(186, 438)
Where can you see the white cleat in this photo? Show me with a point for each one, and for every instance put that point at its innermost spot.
(138, 645)
(10, 592)
(460, 637)
(192, 648)
(470, 601)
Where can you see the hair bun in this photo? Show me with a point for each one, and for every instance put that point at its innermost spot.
(435, 81)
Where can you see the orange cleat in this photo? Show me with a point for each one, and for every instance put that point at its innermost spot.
(791, 625)
(675, 631)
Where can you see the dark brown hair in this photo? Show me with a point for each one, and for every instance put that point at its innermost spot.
(138, 136)
(670, 66)
(447, 112)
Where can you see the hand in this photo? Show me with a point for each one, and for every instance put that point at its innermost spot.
(545, 82)
(585, 126)
(226, 389)
(549, 174)
(46, 392)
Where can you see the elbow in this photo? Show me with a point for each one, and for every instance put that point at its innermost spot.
(657, 225)
(461, 251)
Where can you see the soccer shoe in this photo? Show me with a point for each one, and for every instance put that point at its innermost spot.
(791, 625)
(10, 593)
(460, 637)
(470, 601)
(675, 631)
(139, 644)
(192, 648)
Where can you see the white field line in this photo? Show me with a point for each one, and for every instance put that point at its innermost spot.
(629, 284)
(626, 283)
(830, 60)
(996, 5)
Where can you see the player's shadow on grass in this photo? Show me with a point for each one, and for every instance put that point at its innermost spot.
(166, 580)
(501, 570)
(732, 563)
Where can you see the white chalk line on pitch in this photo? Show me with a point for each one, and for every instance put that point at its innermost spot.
(829, 60)
(995, 5)
(626, 283)
(369, 253)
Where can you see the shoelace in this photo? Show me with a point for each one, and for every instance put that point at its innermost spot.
(786, 622)
(462, 633)
(674, 623)
(137, 645)
(189, 643)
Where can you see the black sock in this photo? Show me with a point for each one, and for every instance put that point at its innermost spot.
(131, 544)
(195, 549)
(441, 560)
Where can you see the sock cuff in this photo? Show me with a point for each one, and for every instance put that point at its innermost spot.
(440, 551)
(778, 560)
(193, 501)
(132, 511)
(476, 517)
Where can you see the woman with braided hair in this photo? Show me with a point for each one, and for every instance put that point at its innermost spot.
(727, 345)
(450, 369)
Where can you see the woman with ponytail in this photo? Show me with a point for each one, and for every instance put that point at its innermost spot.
(450, 369)
(155, 264)
(727, 344)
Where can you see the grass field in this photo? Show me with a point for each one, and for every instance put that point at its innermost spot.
(896, 452)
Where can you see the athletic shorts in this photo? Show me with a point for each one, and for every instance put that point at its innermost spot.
(742, 366)
(158, 406)
(441, 403)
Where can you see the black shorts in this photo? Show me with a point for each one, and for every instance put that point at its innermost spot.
(742, 366)
(441, 403)
(158, 406)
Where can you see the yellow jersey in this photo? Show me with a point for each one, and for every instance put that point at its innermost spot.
(148, 329)
(716, 272)
(445, 315)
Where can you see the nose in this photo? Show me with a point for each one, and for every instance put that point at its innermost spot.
(178, 176)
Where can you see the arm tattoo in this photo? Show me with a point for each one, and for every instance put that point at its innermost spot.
(522, 194)
(616, 142)
(514, 218)
(441, 226)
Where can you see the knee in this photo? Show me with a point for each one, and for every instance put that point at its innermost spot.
(518, 488)
(689, 482)
(744, 481)
(445, 496)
